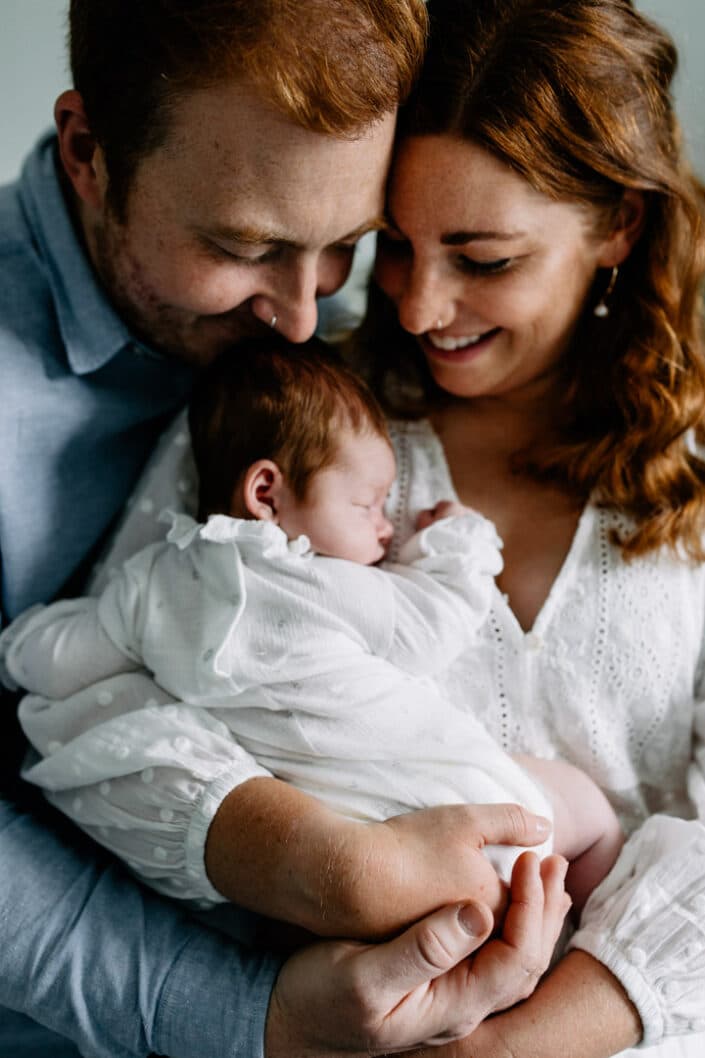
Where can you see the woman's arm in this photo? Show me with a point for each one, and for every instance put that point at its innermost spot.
(579, 1010)
(638, 971)
(279, 851)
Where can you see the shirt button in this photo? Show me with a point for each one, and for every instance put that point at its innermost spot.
(533, 641)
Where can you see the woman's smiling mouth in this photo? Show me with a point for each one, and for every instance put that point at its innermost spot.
(448, 345)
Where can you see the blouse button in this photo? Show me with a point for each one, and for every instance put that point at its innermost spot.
(533, 641)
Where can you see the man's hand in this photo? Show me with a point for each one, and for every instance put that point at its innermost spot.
(344, 999)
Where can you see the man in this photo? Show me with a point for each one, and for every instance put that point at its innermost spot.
(213, 168)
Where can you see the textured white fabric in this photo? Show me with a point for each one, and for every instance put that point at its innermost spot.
(610, 678)
(318, 667)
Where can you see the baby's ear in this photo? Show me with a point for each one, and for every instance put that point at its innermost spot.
(262, 490)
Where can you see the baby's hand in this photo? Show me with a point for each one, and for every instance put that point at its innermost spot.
(443, 509)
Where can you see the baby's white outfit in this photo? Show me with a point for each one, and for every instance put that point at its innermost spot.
(611, 678)
(317, 667)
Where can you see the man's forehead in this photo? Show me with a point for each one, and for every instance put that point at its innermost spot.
(235, 126)
(251, 176)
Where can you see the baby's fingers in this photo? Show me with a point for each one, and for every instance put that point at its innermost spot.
(507, 970)
(538, 907)
(556, 903)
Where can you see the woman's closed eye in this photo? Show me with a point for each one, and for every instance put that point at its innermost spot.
(485, 268)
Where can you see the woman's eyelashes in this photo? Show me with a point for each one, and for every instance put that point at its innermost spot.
(393, 244)
(485, 268)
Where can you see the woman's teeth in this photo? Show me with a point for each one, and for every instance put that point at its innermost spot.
(449, 344)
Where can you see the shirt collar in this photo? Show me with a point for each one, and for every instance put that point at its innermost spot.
(92, 331)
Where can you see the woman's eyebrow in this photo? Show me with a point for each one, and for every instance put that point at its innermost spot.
(459, 238)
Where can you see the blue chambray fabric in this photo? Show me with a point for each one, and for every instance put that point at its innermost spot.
(83, 949)
(82, 402)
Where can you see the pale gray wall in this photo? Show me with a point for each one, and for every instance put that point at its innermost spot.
(33, 71)
(685, 21)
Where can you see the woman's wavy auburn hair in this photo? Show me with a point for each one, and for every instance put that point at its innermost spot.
(574, 95)
(269, 399)
(330, 66)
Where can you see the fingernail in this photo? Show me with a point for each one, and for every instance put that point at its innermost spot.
(543, 826)
(472, 920)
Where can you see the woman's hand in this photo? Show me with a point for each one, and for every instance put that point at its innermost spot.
(278, 851)
(420, 989)
(383, 876)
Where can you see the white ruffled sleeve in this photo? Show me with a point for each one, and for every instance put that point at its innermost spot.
(646, 921)
(59, 649)
(442, 587)
(142, 775)
(139, 772)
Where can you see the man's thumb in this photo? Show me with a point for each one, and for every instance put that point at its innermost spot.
(435, 945)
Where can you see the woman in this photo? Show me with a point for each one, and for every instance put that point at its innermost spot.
(540, 283)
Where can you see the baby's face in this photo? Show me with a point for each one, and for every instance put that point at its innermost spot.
(343, 512)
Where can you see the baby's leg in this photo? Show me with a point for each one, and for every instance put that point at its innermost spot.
(585, 828)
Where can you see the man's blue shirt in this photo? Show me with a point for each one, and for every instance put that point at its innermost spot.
(83, 402)
(83, 949)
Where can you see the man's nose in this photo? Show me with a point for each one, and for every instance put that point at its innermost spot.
(312, 278)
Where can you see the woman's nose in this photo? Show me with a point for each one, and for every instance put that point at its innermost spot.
(423, 305)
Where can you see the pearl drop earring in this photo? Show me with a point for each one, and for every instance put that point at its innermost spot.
(602, 309)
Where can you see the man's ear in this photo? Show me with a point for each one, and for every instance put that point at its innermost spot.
(81, 156)
(627, 229)
(263, 489)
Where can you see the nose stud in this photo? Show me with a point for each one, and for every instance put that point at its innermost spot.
(439, 325)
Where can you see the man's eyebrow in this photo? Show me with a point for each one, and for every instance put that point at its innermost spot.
(253, 236)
